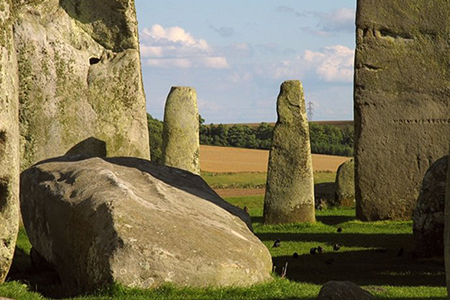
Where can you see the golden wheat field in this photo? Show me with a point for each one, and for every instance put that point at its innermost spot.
(232, 160)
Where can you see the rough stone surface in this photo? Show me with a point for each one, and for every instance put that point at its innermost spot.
(9, 140)
(428, 219)
(290, 184)
(447, 231)
(140, 224)
(345, 184)
(80, 78)
(181, 145)
(343, 290)
(401, 102)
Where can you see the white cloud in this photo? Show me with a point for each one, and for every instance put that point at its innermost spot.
(173, 47)
(337, 20)
(332, 64)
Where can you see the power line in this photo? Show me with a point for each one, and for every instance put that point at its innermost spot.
(310, 111)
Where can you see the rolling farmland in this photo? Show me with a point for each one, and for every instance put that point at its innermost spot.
(234, 160)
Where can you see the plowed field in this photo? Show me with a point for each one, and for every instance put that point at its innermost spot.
(233, 160)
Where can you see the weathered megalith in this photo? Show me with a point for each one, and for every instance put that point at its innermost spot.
(345, 184)
(290, 183)
(9, 140)
(447, 230)
(428, 218)
(401, 103)
(343, 290)
(80, 78)
(137, 223)
(181, 145)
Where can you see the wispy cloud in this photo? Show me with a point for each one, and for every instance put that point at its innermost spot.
(174, 47)
(338, 20)
(331, 64)
(287, 9)
(224, 31)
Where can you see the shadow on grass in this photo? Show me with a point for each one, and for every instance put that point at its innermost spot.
(395, 241)
(46, 282)
(334, 220)
(367, 267)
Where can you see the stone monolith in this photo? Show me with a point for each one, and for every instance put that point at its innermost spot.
(447, 230)
(181, 146)
(80, 79)
(345, 184)
(402, 109)
(290, 184)
(428, 217)
(9, 140)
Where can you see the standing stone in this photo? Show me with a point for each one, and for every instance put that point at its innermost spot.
(80, 79)
(9, 140)
(290, 184)
(447, 230)
(345, 184)
(402, 106)
(428, 219)
(181, 146)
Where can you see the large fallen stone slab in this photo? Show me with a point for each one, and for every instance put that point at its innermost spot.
(9, 140)
(401, 102)
(80, 79)
(428, 218)
(140, 224)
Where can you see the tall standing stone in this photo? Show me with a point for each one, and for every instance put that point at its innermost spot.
(447, 230)
(402, 88)
(181, 146)
(9, 140)
(345, 184)
(80, 79)
(290, 184)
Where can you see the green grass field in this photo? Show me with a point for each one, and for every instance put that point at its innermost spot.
(368, 257)
(252, 179)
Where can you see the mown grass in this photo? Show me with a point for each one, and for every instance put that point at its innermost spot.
(252, 179)
(368, 257)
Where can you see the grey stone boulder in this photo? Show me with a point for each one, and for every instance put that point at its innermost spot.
(137, 223)
(428, 218)
(343, 290)
(345, 184)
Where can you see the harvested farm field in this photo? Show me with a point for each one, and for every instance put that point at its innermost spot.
(216, 159)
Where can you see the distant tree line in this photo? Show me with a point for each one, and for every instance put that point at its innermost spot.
(325, 138)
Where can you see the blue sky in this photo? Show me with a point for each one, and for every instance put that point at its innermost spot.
(237, 53)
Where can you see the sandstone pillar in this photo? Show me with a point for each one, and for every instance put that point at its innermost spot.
(447, 230)
(401, 102)
(345, 184)
(80, 79)
(9, 140)
(181, 146)
(290, 184)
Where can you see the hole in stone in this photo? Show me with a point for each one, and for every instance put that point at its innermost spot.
(3, 193)
(94, 60)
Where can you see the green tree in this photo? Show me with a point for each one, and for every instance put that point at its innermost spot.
(155, 128)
